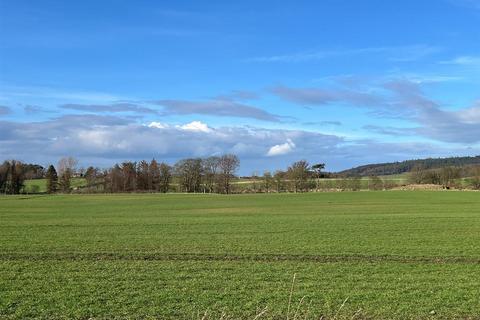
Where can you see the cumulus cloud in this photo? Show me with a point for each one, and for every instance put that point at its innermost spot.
(215, 107)
(158, 125)
(104, 140)
(281, 149)
(191, 126)
(93, 136)
(195, 126)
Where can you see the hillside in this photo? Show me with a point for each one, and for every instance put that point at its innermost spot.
(381, 169)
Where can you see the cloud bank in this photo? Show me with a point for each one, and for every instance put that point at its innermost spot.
(398, 98)
(104, 140)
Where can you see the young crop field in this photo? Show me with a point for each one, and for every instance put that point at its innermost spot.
(344, 255)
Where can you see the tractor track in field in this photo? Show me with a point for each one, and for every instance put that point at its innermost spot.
(232, 257)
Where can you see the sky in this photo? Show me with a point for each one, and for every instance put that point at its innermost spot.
(339, 82)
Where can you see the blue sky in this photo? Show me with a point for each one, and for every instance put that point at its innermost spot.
(341, 82)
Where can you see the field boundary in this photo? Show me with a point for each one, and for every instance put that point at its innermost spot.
(229, 257)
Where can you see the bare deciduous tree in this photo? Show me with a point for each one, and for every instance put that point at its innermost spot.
(114, 179)
(228, 165)
(279, 178)
(210, 170)
(93, 176)
(417, 174)
(475, 173)
(375, 183)
(165, 177)
(267, 181)
(66, 169)
(189, 172)
(12, 177)
(129, 173)
(154, 172)
(254, 179)
(448, 175)
(67, 163)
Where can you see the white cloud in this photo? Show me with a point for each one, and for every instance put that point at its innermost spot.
(98, 140)
(195, 126)
(157, 125)
(105, 140)
(281, 149)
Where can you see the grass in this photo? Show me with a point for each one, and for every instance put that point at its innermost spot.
(35, 186)
(380, 255)
(40, 185)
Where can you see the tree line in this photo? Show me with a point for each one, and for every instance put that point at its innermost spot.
(13, 174)
(12, 177)
(447, 177)
(207, 175)
(380, 169)
(211, 175)
(195, 175)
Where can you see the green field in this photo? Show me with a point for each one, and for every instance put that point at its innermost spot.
(40, 185)
(240, 185)
(355, 255)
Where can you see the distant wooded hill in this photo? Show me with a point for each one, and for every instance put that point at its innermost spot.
(381, 169)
